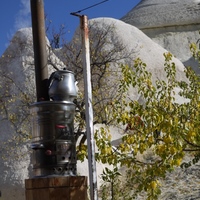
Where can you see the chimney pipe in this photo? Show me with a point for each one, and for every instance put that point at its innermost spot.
(40, 53)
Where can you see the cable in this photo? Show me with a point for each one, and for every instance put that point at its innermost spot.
(79, 11)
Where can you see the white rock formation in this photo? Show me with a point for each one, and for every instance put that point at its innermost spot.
(17, 80)
(131, 37)
(136, 42)
(15, 77)
(173, 24)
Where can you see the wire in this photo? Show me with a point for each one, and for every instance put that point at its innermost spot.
(79, 11)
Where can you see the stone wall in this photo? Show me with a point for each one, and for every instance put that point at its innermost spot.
(177, 40)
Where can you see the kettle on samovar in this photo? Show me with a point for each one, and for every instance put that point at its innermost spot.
(62, 86)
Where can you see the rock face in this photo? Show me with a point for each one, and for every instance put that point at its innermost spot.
(182, 183)
(16, 70)
(134, 41)
(173, 24)
(17, 92)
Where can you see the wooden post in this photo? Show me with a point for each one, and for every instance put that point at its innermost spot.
(57, 188)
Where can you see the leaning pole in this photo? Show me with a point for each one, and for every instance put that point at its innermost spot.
(88, 104)
(88, 107)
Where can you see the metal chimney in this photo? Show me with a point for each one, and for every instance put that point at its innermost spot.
(40, 53)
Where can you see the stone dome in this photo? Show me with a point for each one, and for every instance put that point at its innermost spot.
(163, 13)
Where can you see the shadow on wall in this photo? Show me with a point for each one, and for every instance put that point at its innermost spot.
(192, 63)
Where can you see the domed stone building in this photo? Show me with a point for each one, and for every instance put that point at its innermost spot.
(173, 24)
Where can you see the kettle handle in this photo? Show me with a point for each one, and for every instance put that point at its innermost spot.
(53, 76)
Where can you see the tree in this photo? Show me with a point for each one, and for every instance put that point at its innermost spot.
(104, 66)
(159, 132)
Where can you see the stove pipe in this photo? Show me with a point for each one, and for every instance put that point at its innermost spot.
(40, 53)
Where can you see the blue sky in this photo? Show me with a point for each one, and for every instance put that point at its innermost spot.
(15, 14)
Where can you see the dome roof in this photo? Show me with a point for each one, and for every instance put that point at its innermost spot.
(160, 13)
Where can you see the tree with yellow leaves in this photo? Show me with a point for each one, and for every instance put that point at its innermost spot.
(160, 127)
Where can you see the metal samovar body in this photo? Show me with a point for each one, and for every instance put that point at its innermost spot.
(53, 138)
